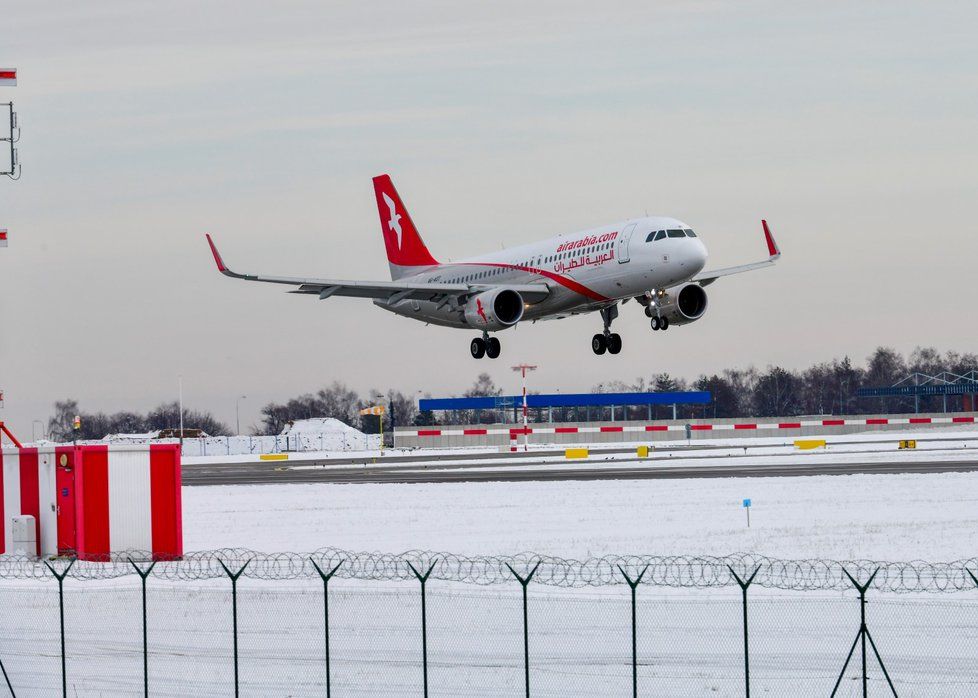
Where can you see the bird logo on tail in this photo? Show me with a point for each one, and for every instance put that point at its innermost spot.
(394, 223)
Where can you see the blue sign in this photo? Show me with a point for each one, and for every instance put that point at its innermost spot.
(64, 491)
(747, 504)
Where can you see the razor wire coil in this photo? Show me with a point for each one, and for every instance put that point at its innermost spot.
(678, 571)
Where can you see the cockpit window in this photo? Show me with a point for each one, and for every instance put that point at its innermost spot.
(650, 237)
(676, 233)
(659, 235)
(690, 233)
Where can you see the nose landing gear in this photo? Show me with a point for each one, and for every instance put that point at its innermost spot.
(608, 340)
(651, 302)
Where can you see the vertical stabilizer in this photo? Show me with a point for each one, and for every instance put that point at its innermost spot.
(406, 251)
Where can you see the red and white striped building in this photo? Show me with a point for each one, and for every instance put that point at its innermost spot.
(95, 500)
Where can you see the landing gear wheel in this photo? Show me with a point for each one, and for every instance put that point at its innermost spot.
(664, 323)
(598, 344)
(614, 343)
(655, 324)
(493, 347)
(478, 348)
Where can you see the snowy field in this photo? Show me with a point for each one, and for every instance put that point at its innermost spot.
(689, 639)
(883, 517)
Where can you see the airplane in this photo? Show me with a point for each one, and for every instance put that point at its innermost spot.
(657, 261)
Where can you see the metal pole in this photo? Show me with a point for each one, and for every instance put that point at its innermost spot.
(423, 578)
(525, 435)
(524, 581)
(61, 609)
(523, 368)
(180, 389)
(862, 632)
(743, 588)
(233, 576)
(237, 414)
(143, 575)
(326, 576)
(7, 679)
(633, 583)
(861, 636)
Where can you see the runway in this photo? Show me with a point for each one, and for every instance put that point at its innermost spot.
(545, 466)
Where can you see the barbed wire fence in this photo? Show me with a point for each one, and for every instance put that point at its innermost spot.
(675, 571)
(249, 606)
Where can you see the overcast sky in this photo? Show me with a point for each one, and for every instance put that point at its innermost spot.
(850, 126)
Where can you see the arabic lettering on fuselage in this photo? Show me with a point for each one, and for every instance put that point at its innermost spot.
(564, 266)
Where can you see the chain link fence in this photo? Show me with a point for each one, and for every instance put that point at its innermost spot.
(333, 622)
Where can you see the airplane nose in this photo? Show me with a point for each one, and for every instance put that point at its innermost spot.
(699, 256)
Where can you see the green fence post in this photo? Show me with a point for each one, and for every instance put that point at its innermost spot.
(233, 576)
(633, 583)
(326, 576)
(143, 574)
(524, 581)
(423, 578)
(743, 589)
(863, 635)
(61, 609)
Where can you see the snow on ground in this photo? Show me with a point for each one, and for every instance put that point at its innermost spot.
(689, 640)
(884, 517)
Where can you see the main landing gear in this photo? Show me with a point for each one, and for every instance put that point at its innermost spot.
(485, 346)
(660, 323)
(607, 340)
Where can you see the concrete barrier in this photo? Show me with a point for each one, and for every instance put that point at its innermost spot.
(790, 428)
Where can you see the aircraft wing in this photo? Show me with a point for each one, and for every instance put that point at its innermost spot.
(706, 278)
(391, 291)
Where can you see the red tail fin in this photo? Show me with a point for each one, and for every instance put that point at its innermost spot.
(405, 248)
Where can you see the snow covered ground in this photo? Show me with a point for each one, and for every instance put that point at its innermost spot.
(883, 517)
(689, 639)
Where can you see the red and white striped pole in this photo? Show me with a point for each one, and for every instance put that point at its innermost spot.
(523, 368)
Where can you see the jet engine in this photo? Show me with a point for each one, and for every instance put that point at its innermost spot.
(682, 304)
(494, 310)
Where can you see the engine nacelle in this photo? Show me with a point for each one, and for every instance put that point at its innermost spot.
(683, 304)
(494, 310)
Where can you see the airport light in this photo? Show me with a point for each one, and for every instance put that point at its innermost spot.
(523, 368)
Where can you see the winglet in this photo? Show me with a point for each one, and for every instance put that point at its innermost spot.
(772, 246)
(221, 267)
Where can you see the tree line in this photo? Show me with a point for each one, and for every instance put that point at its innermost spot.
(828, 387)
(98, 425)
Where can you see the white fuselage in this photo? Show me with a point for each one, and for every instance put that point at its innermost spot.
(586, 271)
